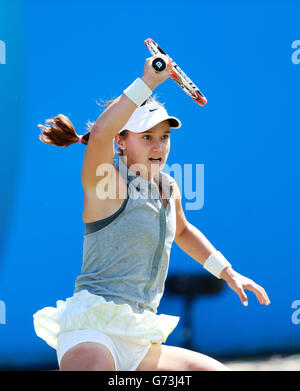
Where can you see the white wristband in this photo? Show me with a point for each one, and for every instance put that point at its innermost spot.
(138, 92)
(215, 263)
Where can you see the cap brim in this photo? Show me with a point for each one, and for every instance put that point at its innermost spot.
(174, 123)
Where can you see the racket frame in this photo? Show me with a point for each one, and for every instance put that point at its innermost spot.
(178, 75)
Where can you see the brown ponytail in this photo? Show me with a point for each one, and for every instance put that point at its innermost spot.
(61, 132)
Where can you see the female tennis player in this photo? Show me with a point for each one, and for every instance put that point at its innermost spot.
(132, 214)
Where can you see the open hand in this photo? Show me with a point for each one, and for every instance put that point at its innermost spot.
(239, 283)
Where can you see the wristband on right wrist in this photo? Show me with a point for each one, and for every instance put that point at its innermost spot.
(215, 263)
(138, 92)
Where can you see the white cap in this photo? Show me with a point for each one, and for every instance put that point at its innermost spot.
(147, 116)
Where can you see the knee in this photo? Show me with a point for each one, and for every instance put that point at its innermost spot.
(85, 357)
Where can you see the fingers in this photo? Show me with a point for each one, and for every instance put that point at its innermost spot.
(238, 283)
(166, 58)
(243, 296)
(259, 292)
(170, 65)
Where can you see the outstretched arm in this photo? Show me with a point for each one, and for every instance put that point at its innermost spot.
(197, 246)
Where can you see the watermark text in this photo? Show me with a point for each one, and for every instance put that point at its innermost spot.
(296, 314)
(2, 52)
(188, 180)
(2, 312)
(296, 53)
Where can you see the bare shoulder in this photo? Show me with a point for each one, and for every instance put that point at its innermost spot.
(106, 197)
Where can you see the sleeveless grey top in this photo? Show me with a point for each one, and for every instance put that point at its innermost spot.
(126, 256)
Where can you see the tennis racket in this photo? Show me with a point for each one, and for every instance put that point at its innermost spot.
(177, 73)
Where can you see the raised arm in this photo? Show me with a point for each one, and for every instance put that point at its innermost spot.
(100, 148)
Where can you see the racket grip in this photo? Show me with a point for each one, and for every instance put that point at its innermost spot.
(159, 64)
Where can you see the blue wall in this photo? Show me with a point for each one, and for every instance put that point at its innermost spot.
(62, 58)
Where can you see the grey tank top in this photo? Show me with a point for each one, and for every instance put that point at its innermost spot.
(126, 256)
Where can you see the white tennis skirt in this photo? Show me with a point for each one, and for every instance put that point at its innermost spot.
(85, 310)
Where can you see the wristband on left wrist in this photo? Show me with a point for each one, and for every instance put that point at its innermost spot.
(216, 263)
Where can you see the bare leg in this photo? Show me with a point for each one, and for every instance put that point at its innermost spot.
(87, 356)
(171, 358)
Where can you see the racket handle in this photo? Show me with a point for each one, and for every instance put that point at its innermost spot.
(159, 64)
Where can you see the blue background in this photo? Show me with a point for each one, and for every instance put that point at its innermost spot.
(62, 57)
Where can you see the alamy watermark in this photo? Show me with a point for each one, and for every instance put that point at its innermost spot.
(189, 179)
(2, 52)
(2, 312)
(296, 314)
(296, 54)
